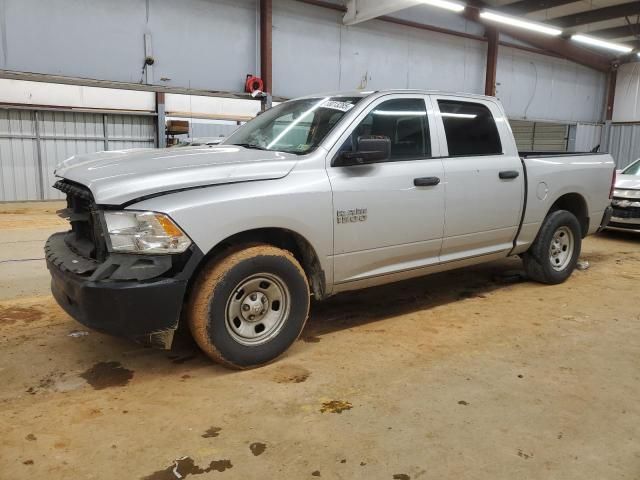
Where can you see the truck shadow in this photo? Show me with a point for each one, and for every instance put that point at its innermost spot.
(351, 309)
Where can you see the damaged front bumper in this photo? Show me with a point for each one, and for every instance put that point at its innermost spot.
(138, 297)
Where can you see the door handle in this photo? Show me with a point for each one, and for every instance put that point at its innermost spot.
(508, 174)
(426, 181)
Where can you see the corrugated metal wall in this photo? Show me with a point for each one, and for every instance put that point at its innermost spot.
(588, 136)
(18, 156)
(377, 55)
(626, 108)
(200, 44)
(623, 143)
(538, 87)
(33, 142)
(540, 136)
(214, 45)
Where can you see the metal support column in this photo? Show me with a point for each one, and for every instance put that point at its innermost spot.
(611, 93)
(161, 140)
(41, 182)
(492, 62)
(105, 132)
(266, 57)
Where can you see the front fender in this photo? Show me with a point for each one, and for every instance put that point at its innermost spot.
(300, 202)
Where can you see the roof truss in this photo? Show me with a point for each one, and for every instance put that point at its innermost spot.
(597, 15)
(522, 7)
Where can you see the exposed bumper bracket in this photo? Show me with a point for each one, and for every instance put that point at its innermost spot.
(605, 218)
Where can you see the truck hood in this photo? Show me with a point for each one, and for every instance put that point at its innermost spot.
(119, 176)
(629, 182)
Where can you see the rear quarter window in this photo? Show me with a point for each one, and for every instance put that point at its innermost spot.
(470, 128)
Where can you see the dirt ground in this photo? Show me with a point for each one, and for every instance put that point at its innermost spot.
(467, 374)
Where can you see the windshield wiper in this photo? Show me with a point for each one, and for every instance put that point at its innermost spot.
(250, 145)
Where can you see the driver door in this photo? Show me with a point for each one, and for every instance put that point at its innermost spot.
(389, 215)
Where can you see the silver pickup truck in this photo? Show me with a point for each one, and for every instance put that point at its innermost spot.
(316, 196)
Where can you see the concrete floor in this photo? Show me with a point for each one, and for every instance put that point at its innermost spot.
(457, 375)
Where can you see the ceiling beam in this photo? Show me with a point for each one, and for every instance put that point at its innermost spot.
(597, 15)
(617, 32)
(557, 45)
(564, 48)
(522, 7)
(363, 10)
(541, 44)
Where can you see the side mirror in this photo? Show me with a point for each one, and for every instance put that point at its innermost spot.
(369, 149)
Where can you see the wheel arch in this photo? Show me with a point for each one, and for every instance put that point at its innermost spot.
(278, 237)
(576, 204)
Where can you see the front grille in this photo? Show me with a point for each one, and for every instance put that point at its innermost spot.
(628, 212)
(85, 238)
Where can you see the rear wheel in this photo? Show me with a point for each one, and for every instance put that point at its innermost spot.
(249, 307)
(553, 255)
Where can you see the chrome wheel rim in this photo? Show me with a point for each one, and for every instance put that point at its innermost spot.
(257, 309)
(561, 248)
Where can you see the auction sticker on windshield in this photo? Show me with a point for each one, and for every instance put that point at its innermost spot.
(335, 105)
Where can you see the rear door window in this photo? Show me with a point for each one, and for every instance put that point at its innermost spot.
(470, 128)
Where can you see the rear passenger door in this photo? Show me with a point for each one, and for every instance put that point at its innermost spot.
(484, 178)
(389, 218)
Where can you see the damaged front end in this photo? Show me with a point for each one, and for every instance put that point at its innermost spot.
(135, 296)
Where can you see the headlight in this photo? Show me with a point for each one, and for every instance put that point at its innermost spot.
(144, 232)
(626, 193)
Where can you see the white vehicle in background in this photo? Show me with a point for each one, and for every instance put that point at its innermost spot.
(626, 199)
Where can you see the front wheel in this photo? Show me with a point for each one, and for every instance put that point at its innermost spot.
(553, 255)
(248, 307)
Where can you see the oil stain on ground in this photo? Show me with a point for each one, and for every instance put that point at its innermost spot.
(335, 406)
(211, 432)
(401, 476)
(257, 448)
(107, 374)
(185, 466)
(291, 374)
(11, 315)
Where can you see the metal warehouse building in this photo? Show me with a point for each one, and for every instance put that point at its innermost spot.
(319, 239)
(80, 76)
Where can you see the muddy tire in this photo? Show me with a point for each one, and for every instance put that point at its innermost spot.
(247, 308)
(553, 255)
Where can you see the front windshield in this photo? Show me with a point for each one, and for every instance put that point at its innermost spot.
(297, 126)
(633, 169)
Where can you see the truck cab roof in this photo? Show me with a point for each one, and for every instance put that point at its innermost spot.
(378, 93)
